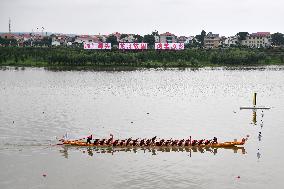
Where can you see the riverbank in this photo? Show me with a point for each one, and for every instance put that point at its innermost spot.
(63, 57)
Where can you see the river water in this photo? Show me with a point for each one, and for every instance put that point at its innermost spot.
(38, 106)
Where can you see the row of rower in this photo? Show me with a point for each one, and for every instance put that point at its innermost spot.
(149, 142)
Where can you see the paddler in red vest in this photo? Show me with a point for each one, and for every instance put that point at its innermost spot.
(89, 138)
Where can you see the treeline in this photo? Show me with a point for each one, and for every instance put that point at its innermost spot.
(31, 56)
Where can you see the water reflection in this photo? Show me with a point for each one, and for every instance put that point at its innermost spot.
(154, 151)
(259, 136)
(254, 117)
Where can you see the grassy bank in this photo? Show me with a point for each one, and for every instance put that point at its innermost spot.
(79, 58)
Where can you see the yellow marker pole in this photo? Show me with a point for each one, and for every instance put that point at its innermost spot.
(254, 99)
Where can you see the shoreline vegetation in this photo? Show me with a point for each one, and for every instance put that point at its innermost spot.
(60, 58)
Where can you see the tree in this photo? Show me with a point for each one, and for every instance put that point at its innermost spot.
(123, 36)
(195, 43)
(150, 39)
(46, 41)
(112, 39)
(138, 38)
(277, 39)
(8, 42)
(201, 37)
(242, 36)
(155, 33)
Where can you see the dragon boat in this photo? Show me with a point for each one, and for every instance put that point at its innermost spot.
(155, 144)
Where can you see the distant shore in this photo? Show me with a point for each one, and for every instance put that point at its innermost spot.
(78, 58)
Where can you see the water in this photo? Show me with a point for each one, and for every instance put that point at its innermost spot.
(38, 106)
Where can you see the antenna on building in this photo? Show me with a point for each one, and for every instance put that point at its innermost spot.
(9, 25)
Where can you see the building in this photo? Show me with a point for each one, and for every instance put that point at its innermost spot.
(168, 38)
(58, 39)
(10, 36)
(127, 39)
(86, 38)
(212, 41)
(117, 35)
(185, 40)
(189, 40)
(27, 37)
(230, 41)
(14, 40)
(157, 38)
(101, 38)
(257, 40)
(181, 39)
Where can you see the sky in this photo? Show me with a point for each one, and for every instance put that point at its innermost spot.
(181, 17)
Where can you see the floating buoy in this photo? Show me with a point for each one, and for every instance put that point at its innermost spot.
(238, 177)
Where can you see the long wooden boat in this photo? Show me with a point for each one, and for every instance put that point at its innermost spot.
(210, 145)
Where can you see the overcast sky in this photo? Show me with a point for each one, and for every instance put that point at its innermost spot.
(182, 17)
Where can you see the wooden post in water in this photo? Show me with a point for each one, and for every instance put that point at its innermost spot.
(254, 99)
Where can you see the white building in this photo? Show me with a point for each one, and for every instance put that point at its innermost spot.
(168, 38)
(230, 41)
(55, 43)
(157, 38)
(189, 40)
(86, 39)
(257, 40)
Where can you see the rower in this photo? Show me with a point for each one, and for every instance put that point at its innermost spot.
(128, 141)
(215, 140)
(194, 142)
(175, 142)
(102, 142)
(115, 143)
(89, 138)
(121, 142)
(207, 142)
(134, 142)
(153, 139)
(160, 143)
(109, 141)
(200, 141)
(187, 142)
(148, 142)
(142, 142)
(168, 142)
(96, 141)
(180, 143)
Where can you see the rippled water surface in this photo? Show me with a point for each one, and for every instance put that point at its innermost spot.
(38, 106)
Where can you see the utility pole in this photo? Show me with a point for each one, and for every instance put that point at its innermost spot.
(9, 25)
